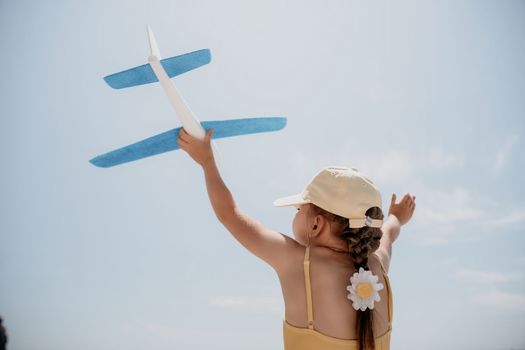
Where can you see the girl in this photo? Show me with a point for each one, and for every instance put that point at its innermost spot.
(335, 272)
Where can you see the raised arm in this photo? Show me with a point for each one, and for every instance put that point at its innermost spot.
(270, 246)
(398, 215)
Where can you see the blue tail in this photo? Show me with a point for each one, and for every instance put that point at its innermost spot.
(144, 74)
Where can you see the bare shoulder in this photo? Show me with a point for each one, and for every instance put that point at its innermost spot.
(293, 257)
(382, 258)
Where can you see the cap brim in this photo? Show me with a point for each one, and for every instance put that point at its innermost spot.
(296, 199)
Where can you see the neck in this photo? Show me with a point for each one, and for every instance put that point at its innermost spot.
(337, 250)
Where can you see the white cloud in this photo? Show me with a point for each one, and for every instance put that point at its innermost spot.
(457, 214)
(436, 158)
(489, 276)
(439, 215)
(501, 300)
(515, 217)
(504, 153)
(449, 206)
(394, 167)
(397, 167)
(388, 168)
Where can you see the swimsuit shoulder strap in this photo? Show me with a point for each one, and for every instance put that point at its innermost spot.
(389, 292)
(308, 287)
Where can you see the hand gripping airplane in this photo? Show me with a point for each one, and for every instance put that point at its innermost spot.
(162, 70)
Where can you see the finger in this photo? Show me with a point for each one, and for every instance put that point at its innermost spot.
(188, 138)
(185, 135)
(405, 199)
(182, 142)
(208, 135)
(393, 202)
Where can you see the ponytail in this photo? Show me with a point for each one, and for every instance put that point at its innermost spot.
(361, 243)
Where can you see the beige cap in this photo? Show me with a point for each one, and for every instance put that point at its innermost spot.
(342, 191)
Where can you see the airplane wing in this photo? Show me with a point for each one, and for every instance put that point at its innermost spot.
(167, 141)
(144, 74)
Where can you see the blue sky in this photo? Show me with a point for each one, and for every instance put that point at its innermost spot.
(424, 97)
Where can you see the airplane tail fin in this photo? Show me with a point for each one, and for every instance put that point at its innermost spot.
(153, 43)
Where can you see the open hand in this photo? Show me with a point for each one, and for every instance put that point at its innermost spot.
(404, 209)
(199, 150)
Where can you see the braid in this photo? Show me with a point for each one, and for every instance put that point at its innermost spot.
(359, 248)
(361, 243)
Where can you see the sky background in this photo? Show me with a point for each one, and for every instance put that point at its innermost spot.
(424, 97)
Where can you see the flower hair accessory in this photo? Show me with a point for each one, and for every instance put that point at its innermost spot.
(364, 289)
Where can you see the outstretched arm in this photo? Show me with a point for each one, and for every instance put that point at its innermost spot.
(270, 246)
(398, 215)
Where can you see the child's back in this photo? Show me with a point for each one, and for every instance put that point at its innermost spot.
(333, 314)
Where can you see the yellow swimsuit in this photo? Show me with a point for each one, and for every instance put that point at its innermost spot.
(297, 338)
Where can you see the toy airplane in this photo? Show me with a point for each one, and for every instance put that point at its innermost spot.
(162, 70)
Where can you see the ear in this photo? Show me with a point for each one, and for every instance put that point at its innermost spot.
(317, 225)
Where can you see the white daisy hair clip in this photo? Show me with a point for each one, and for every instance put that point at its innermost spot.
(364, 289)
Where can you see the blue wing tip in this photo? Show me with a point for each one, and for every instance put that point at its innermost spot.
(280, 122)
(99, 163)
(208, 55)
(111, 82)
